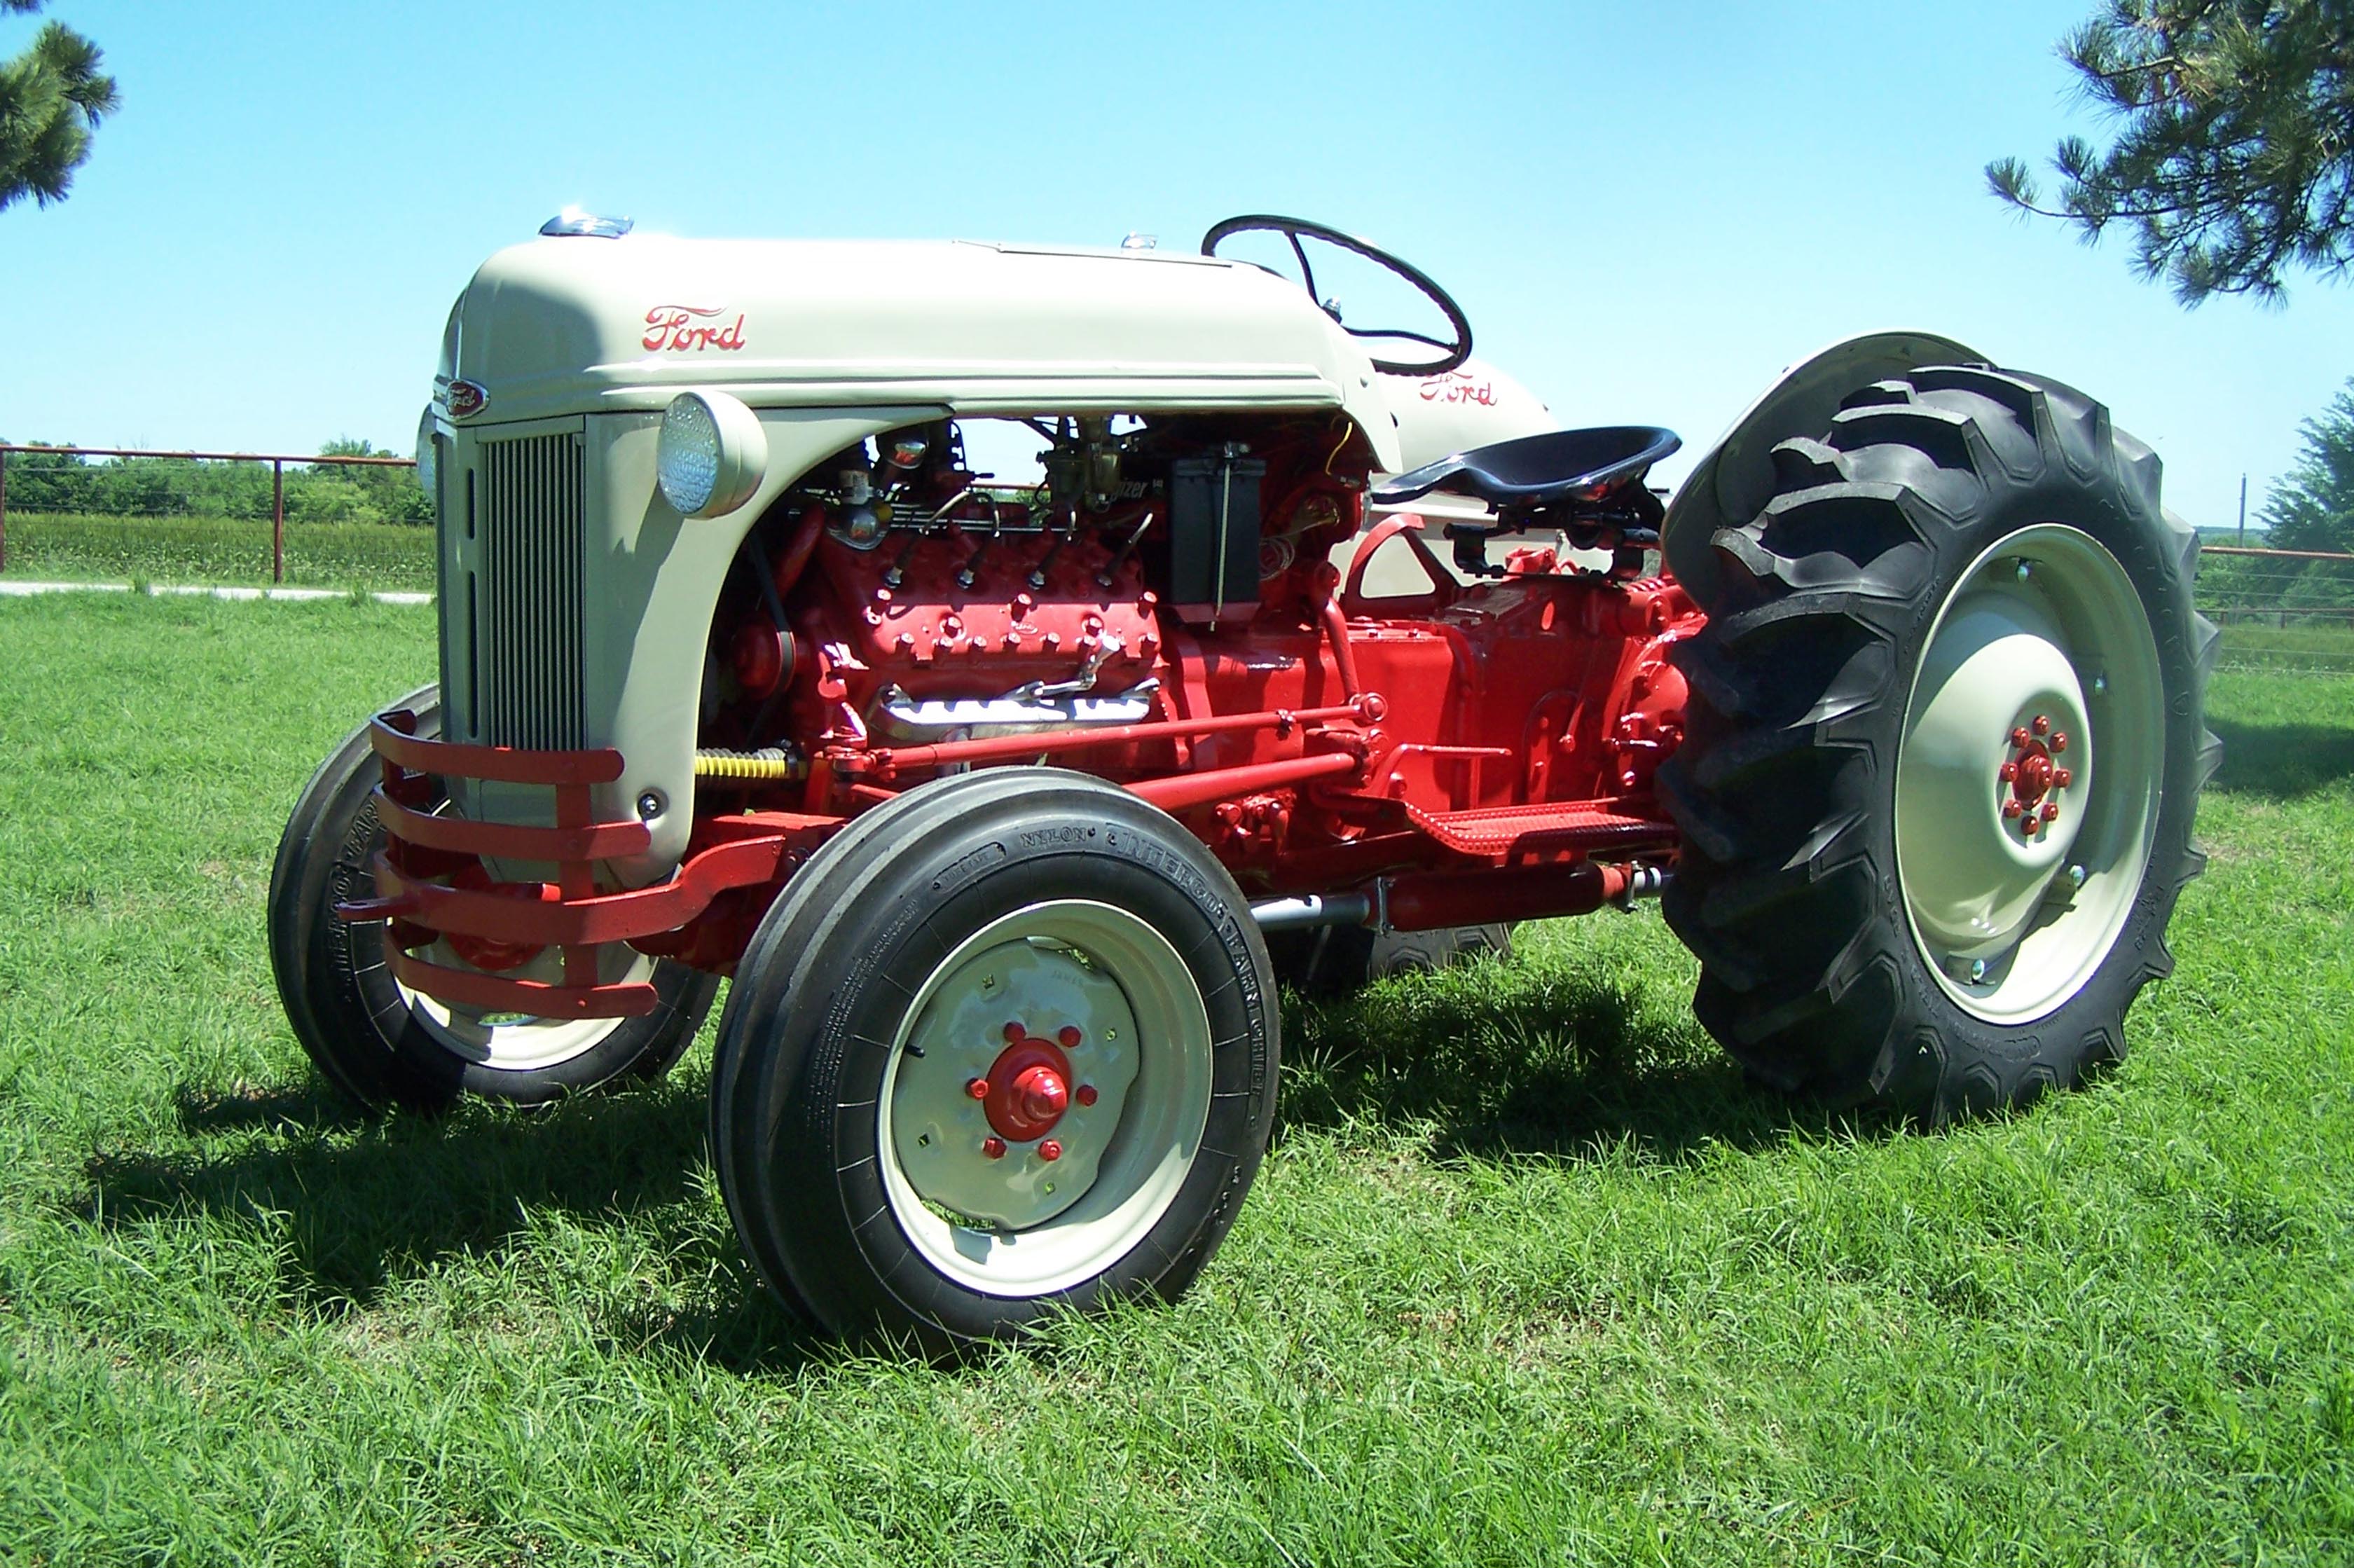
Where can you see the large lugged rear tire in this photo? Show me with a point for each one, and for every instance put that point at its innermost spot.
(1946, 745)
(382, 1045)
(1072, 954)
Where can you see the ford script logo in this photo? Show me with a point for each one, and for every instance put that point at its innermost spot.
(682, 329)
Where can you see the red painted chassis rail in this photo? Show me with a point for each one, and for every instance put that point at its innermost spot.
(579, 920)
(759, 849)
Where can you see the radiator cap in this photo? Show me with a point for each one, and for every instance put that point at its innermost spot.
(575, 220)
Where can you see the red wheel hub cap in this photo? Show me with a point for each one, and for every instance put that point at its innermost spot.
(1029, 1087)
(2032, 773)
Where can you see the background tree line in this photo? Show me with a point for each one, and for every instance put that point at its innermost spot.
(2311, 507)
(185, 487)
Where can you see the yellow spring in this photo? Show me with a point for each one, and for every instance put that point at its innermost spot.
(772, 764)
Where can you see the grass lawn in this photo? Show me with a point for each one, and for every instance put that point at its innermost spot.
(1530, 1275)
(77, 547)
(2302, 648)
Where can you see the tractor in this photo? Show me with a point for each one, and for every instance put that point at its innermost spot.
(1308, 649)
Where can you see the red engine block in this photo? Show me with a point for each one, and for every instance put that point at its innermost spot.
(1471, 753)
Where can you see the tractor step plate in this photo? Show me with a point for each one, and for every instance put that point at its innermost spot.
(1549, 827)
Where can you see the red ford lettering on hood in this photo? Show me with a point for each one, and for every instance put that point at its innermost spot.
(682, 329)
(1458, 386)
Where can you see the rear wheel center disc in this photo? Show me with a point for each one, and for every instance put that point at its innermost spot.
(2027, 779)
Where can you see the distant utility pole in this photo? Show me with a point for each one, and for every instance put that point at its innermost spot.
(2243, 511)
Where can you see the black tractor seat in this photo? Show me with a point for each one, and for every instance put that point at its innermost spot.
(1557, 469)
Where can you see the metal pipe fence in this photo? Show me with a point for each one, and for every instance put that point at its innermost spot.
(46, 466)
(2281, 611)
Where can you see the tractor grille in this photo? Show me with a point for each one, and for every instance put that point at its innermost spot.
(527, 595)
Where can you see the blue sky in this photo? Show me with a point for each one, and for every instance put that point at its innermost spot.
(1647, 210)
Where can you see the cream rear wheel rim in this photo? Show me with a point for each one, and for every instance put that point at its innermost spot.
(2020, 861)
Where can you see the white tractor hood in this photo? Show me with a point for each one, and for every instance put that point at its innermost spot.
(573, 325)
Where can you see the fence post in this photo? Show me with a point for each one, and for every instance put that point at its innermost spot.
(277, 521)
(4, 511)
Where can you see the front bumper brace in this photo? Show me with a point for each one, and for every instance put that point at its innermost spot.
(569, 914)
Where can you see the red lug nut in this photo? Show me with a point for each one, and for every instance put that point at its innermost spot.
(2059, 740)
(2062, 778)
(1050, 1150)
(1069, 1036)
(1086, 1094)
(2051, 811)
(2040, 722)
(993, 1146)
(978, 1088)
(2012, 808)
(1017, 1030)
(2030, 826)
(2019, 737)
(2008, 771)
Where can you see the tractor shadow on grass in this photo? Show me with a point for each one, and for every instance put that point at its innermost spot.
(2282, 761)
(284, 1107)
(361, 1205)
(1526, 1059)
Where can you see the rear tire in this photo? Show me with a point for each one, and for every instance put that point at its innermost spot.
(1028, 925)
(383, 1045)
(1882, 914)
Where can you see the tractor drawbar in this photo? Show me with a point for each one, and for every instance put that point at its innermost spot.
(1436, 900)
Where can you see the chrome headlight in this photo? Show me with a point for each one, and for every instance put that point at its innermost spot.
(711, 454)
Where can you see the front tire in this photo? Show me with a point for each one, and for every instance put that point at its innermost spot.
(383, 1045)
(1065, 946)
(1945, 750)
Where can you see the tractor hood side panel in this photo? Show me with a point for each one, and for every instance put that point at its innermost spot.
(575, 604)
(569, 326)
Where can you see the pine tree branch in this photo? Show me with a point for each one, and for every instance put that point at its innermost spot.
(2234, 159)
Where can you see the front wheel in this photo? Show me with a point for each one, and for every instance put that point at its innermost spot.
(385, 1045)
(1945, 750)
(1007, 1045)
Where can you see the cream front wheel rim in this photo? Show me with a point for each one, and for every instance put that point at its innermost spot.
(1045, 1098)
(514, 1042)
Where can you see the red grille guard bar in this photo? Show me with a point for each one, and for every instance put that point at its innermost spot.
(569, 914)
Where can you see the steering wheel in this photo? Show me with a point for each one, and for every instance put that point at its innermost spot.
(1451, 352)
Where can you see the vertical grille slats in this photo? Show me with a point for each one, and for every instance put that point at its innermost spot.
(527, 625)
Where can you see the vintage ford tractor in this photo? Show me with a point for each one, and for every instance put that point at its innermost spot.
(1007, 805)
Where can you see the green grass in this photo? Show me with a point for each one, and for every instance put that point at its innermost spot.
(2306, 646)
(74, 546)
(1529, 1274)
